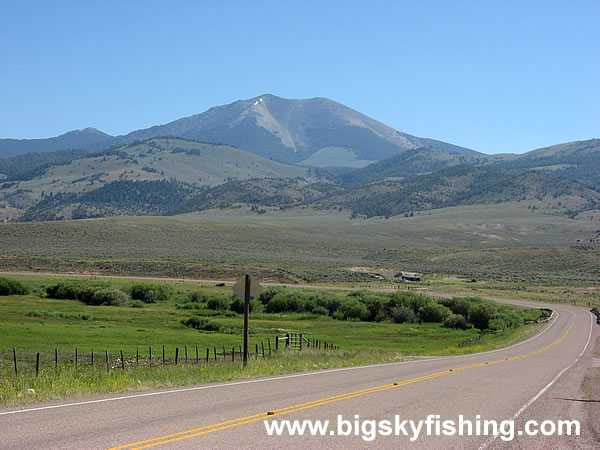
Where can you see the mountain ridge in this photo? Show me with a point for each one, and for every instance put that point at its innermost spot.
(71, 140)
(287, 130)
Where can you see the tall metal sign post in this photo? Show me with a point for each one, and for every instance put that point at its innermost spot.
(247, 288)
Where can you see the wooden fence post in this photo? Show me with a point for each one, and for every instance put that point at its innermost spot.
(186, 359)
(197, 356)
(269, 341)
(207, 354)
(37, 364)
(15, 359)
(176, 354)
(92, 354)
(262, 345)
(150, 354)
(76, 358)
(232, 354)
(56, 358)
(137, 355)
(276, 343)
(122, 361)
(163, 354)
(300, 341)
(256, 354)
(215, 349)
(107, 363)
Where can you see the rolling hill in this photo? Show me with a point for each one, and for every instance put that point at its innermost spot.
(578, 161)
(453, 186)
(410, 163)
(166, 176)
(467, 185)
(191, 164)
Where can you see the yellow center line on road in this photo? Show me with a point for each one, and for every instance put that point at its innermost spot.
(324, 401)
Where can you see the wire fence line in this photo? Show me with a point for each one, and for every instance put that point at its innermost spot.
(27, 360)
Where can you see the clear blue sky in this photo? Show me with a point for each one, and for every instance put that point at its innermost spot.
(495, 76)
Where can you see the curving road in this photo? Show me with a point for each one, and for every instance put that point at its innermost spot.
(550, 376)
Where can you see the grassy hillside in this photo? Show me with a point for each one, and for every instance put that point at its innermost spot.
(166, 176)
(29, 165)
(407, 164)
(578, 161)
(453, 186)
(467, 185)
(193, 163)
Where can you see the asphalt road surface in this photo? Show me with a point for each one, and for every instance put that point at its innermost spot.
(550, 376)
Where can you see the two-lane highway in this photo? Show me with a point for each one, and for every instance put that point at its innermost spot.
(540, 378)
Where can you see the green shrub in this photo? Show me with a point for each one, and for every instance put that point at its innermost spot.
(266, 295)
(481, 314)
(290, 301)
(237, 305)
(402, 314)
(137, 304)
(338, 315)
(196, 297)
(505, 320)
(457, 305)
(331, 302)
(375, 306)
(217, 303)
(66, 290)
(432, 311)
(353, 309)
(12, 287)
(86, 294)
(109, 297)
(320, 310)
(201, 323)
(412, 301)
(256, 306)
(151, 293)
(456, 321)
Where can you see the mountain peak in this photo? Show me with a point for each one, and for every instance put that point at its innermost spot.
(293, 130)
(286, 130)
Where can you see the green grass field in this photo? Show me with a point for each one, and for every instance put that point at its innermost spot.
(33, 324)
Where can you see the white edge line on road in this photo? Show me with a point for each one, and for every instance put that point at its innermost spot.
(263, 380)
(545, 388)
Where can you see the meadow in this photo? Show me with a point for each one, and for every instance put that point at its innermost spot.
(513, 253)
(34, 323)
